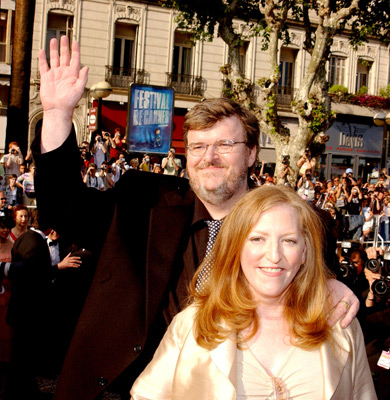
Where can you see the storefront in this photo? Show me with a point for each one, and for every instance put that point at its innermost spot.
(352, 145)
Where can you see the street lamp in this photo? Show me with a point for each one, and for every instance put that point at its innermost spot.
(380, 119)
(100, 91)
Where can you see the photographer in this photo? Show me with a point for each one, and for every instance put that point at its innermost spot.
(306, 162)
(286, 170)
(145, 164)
(105, 175)
(120, 166)
(91, 179)
(117, 143)
(306, 187)
(12, 160)
(170, 164)
(354, 208)
(99, 150)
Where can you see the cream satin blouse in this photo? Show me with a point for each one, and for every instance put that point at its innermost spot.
(300, 377)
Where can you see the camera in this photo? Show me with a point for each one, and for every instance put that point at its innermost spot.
(380, 286)
(13, 151)
(307, 152)
(99, 139)
(106, 134)
(286, 160)
(347, 271)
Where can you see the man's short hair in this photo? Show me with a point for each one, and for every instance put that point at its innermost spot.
(13, 144)
(207, 113)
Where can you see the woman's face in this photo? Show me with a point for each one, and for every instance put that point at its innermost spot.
(273, 253)
(4, 232)
(21, 218)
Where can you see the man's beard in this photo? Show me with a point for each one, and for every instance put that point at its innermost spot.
(222, 192)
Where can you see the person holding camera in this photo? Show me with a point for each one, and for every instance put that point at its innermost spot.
(170, 164)
(286, 169)
(12, 160)
(105, 175)
(99, 150)
(306, 162)
(354, 208)
(306, 187)
(116, 143)
(145, 165)
(91, 179)
(120, 166)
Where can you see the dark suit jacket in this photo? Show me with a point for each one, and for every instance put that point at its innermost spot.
(138, 232)
(31, 278)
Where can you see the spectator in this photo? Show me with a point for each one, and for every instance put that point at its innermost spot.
(92, 180)
(306, 162)
(5, 210)
(20, 216)
(12, 160)
(341, 194)
(13, 193)
(384, 220)
(134, 163)
(99, 151)
(28, 187)
(120, 166)
(117, 143)
(348, 174)
(306, 187)
(368, 219)
(355, 210)
(105, 175)
(286, 170)
(157, 169)
(145, 164)
(171, 165)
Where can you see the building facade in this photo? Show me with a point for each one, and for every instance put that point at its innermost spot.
(138, 41)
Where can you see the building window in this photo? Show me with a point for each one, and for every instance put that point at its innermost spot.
(3, 35)
(336, 71)
(124, 49)
(362, 74)
(122, 72)
(182, 57)
(286, 80)
(6, 35)
(58, 25)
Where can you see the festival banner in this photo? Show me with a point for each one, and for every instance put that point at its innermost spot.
(150, 118)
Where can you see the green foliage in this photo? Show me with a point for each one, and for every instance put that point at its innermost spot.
(339, 90)
(385, 92)
(362, 90)
(320, 117)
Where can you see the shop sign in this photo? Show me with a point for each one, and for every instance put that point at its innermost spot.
(354, 139)
(92, 119)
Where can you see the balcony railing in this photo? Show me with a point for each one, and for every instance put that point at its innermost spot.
(122, 77)
(185, 84)
(285, 95)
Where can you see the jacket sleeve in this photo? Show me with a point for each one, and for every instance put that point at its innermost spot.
(64, 202)
(155, 382)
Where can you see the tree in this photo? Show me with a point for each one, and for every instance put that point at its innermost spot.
(321, 21)
(17, 118)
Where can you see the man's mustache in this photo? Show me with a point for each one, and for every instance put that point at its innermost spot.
(214, 163)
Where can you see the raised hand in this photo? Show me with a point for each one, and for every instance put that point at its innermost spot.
(62, 86)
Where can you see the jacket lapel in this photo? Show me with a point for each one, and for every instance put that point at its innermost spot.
(334, 356)
(168, 237)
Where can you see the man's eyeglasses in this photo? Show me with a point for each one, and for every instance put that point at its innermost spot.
(3, 198)
(220, 146)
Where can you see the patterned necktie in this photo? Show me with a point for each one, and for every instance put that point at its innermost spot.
(213, 226)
